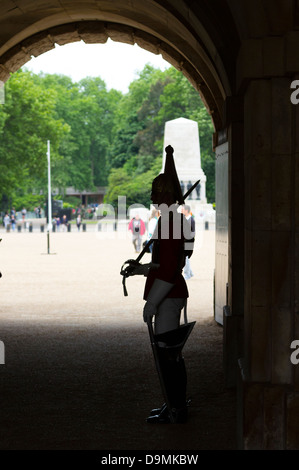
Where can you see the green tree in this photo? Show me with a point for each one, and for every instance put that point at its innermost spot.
(154, 98)
(98, 138)
(27, 121)
(136, 188)
(89, 110)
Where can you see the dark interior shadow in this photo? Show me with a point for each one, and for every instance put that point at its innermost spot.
(91, 387)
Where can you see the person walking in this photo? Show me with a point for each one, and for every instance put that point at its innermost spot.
(152, 224)
(64, 223)
(78, 222)
(24, 212)
(6, 221)
(137, 227)
(186, 210)
(13, 222)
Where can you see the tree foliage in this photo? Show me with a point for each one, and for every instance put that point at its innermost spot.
(98, 137)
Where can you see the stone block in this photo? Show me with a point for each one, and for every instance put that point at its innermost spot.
(282, 322)
(189, 72)
(4, 74)
(261, 269)
(292, 425)
(264, 416)
(281, 261)
(253, 426)
(65, 34)
(248, 187)
(273, 56)
(38, 44)
(231, 329)
(296, 305)
(93, 32)
(282, 197)
(295, 336)
(280, 16)
(261, 191)
(295, 109)
(247, 280)
(297, 277)
(147, 41)
(291, 52)
(14, 59)
(250, 61)
(120, 33)
(172, 56)
(260, 345)
(296, 190)
(281, 119)
(258, 118)
(274, 418)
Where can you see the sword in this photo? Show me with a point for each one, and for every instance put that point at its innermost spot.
(190, 190)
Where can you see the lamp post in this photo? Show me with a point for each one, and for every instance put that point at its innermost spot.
(49, 198)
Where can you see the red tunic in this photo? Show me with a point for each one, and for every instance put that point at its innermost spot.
(169, 254)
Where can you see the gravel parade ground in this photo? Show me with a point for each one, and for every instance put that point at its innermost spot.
(79, 372)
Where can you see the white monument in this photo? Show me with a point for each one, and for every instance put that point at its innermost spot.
(182, 135)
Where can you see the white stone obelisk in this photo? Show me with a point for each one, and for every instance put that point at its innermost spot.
(182, 134)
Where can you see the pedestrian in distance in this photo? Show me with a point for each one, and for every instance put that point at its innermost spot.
(78, 222)
(152, 224)
(24, 212)
(137, 227)
(6, 221)
(13, 222)
(64, 223)
(58, 223)
(186, 210)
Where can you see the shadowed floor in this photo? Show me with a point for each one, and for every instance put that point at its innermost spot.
(79, 371)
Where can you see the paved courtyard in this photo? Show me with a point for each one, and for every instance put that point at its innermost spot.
(78, 370)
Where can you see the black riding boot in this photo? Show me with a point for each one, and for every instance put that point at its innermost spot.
(172, 367)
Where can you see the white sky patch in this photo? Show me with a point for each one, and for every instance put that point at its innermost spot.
(116, 63)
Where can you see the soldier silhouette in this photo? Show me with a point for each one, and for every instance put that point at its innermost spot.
(166, 293)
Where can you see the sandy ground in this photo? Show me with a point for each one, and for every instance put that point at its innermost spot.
(79, 281)
(79, 372)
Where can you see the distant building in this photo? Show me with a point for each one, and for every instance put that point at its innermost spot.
(85, 197)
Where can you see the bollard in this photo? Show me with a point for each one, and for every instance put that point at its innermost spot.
(30, 227)
(8, 227)
(84, 227)
(99, 227)
(41, 228)
(54, 228)
(68, 227)
(19, 228)
(207, 225)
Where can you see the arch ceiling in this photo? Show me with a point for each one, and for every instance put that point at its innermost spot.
(185, 33)
(199, 37)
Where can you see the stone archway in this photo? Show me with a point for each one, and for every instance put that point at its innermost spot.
(147, 24)
(241, 57)
(159, 31)
(181, 39)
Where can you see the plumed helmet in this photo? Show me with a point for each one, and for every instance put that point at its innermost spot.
(168, 180)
